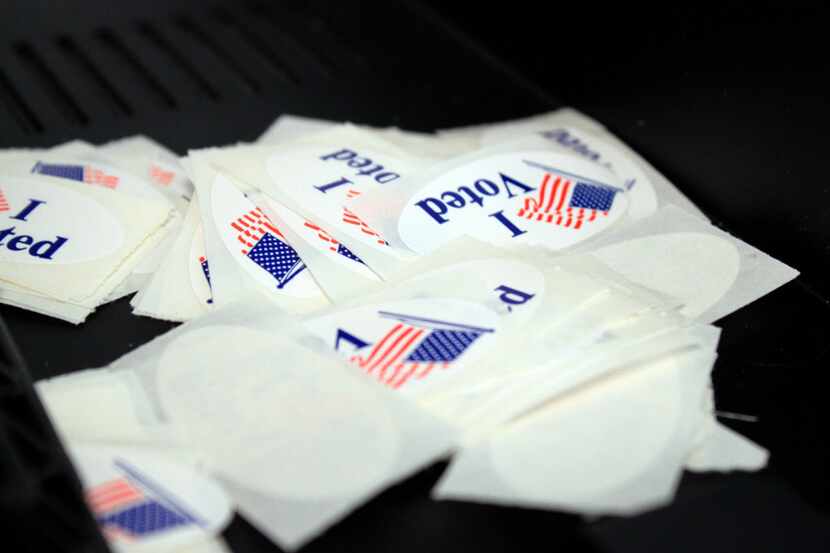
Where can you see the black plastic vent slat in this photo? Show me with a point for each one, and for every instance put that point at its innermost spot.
(220, 52)
(284, 47)
(325, 28)
(63, 100)
(89, 82)
(299, 39)
(166, 72)
(30, 88)
(254, 50)
(198, 83)
(16, 108)
(203, 60)
(133, 77)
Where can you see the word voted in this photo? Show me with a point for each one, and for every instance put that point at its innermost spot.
(438, 208)
(363, 165)
(18, 242)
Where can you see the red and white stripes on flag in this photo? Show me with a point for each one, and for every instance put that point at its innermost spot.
(252, 227)
(112, 495)
(352, 219)
(98, 176)
(4, 203)
(323, 235)
(553, 204)
(160, 175)
(386, 361)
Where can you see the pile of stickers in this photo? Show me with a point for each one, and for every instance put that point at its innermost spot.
(531, 300)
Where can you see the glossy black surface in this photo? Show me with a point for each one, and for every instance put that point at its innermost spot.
(729, 103)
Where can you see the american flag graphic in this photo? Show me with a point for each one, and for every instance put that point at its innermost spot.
(333, 245)
(568, 202)
(414, 346)
(4, 203)
(352, 219)
(81, 173)
(203, 262)
(258, 236)
(125, 512)
(160, 175)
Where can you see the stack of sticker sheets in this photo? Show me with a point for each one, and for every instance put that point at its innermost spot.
(531, 300)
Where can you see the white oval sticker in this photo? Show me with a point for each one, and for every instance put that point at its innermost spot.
(257, 244)
(409, 344)
(698, 269)
(280, 429)
(535, 197)
(142, 499)
(54, 224)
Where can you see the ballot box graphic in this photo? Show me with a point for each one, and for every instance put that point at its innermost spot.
(567, 200)
(414, 346)
(80, 173)
(263, 244)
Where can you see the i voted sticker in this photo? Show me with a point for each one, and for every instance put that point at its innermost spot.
(328, 176)
(51, 224)
(257, 244)
(142, 499)
(535, 197)
(409, 344)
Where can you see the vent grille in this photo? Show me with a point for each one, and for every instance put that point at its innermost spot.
(129, 69)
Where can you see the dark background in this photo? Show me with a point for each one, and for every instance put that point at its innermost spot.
(727, 100)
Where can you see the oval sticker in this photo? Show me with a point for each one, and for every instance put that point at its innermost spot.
(255, 242)
(141, 498)
(698, 269)
(40, 223)
(535, 197)
(291, 412)
(409, 344)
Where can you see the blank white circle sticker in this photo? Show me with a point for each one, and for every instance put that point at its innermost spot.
(696, 268)
(596, 443)
(270, 421)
